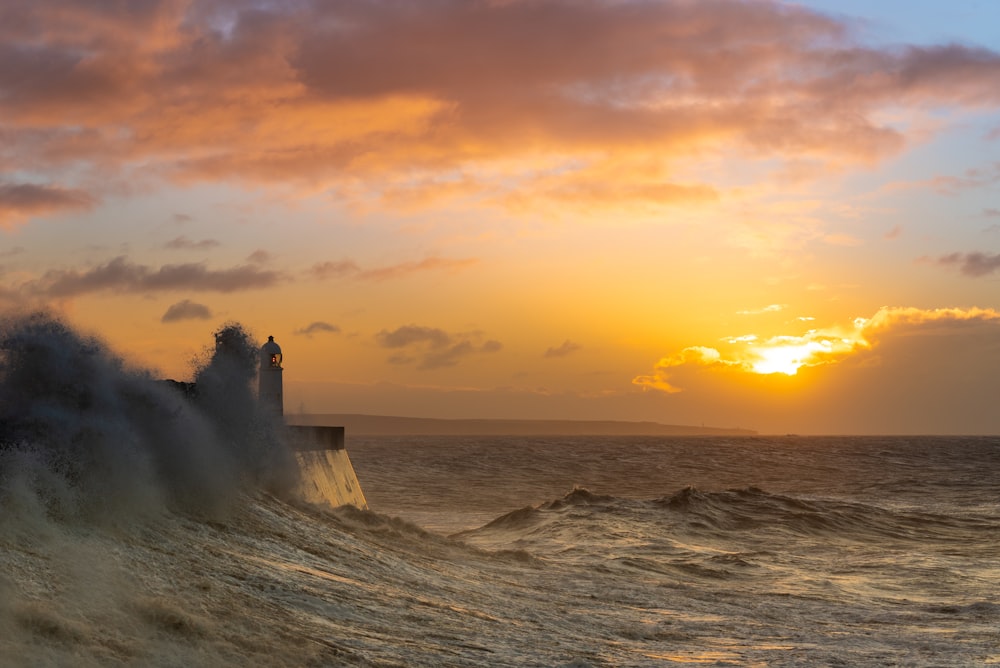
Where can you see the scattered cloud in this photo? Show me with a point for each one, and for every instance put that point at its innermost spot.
(182, 218)
(11, 252)
(771, 308)
(413, 334)
(20, 201)
(971, 179)
(991, 213)
(564, 349)
(351, 269)
(407, 268)
(745, 338)
(975, 265)
(183, 243)
(186, 310)
(893, 234)
(342, 269)
(260, 256)
(120, 275)
(318, 327)
(433, 348)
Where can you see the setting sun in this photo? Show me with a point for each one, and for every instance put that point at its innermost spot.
(780, 360)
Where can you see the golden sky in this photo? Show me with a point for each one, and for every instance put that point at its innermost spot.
(776, 215)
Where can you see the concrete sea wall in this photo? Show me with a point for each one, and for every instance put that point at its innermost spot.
(327, 475)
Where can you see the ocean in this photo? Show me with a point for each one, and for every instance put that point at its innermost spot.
(541, 552)
(140, 529)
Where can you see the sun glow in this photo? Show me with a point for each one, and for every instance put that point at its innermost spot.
(787, 359)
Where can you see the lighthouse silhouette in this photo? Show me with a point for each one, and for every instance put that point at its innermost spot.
(269, 391)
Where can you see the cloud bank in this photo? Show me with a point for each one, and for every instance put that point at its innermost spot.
(585, 102)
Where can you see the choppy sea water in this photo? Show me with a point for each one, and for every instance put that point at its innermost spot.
(539, 552)
(145, 524)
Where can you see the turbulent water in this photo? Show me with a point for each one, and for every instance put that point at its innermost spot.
(139, 529)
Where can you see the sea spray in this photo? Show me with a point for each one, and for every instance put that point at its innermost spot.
(250, 434)
(82, 433)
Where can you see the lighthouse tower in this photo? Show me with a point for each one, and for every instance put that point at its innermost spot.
(269, 389)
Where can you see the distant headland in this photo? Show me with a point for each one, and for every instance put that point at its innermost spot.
(384, 425)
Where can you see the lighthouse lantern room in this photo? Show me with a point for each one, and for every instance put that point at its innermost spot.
(269, 390)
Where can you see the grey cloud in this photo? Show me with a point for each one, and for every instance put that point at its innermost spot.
(24, 199)
(972, 264)
(567, 347)
(260, 256)
(351, 269)
(318, 327)
(410, 334)
(186, 310)
(120, 275)
(435, 348)
(325, 270)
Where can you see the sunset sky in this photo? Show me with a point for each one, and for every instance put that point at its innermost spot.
(783, 216)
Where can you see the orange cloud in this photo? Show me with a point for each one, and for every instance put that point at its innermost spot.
(891, 317)
(787, 354)
(694, 356)
(367, 99)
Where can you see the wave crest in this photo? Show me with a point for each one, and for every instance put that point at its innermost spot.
(84, 434)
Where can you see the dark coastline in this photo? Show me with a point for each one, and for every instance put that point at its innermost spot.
(383, 425)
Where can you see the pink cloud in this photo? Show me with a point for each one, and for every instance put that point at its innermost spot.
(322, 94)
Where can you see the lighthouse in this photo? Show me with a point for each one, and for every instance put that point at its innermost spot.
(269, 379)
